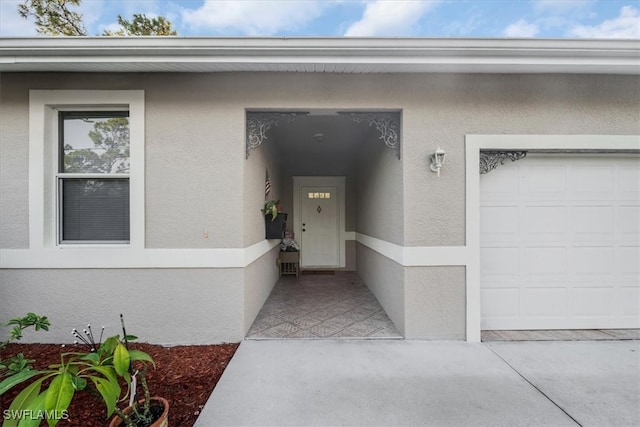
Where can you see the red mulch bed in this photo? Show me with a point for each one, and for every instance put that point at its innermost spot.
(184, 375)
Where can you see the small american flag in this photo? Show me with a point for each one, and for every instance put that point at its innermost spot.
(267, 187)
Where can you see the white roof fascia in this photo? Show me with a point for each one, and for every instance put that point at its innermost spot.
(337, 55)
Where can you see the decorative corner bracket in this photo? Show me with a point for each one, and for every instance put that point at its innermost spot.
(489, 160)
(259, 123)
(388, 124)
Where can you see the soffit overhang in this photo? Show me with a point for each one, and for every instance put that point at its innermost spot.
(325, 55)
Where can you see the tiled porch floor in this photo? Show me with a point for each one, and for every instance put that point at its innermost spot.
(322, 306)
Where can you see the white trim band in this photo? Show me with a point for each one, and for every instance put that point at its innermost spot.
(125, 257)
(417, 256)
(100, 257)
(303, 54)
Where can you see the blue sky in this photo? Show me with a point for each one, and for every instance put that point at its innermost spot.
(364, 18)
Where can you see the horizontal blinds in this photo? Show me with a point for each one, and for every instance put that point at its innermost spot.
(95, 209)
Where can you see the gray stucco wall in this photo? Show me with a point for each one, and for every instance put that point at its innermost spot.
(434, 299)
(379, 194)
(385, 279)
(196, 174)
(259, 279)
(439, 110)
(205, 136)
(14, 171)
(163, 306)
(261, 275)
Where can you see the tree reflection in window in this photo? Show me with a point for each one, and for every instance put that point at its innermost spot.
(95, 142)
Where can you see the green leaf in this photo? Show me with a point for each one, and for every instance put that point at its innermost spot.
(130, 338)
(108, 346)
(22, 401)
(59, 395)
(108, 372)
(79, 383)
(107, 390)
(91, 357)
(36, 406)
(141, 356)
(121, 359)
(16, 379)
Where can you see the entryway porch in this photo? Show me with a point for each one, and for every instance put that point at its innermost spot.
(327, 304)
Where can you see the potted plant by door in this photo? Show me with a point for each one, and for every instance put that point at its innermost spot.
(274, 220)
(271, 208)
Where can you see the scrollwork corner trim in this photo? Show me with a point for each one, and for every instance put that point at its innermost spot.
(489, 160)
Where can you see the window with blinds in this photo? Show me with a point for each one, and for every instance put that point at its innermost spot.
(93, 177)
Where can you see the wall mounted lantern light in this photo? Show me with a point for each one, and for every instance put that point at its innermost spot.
(437, 160)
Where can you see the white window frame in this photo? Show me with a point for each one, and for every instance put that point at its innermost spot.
(44, 106)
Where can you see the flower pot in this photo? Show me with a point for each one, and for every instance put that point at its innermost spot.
(163, 421)
(274, 227)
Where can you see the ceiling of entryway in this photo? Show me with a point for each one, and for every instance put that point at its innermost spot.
(320, 143)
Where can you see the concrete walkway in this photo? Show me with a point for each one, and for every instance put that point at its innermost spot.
(421, 383)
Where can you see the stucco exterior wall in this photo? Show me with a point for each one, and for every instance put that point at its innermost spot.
(205, 136)
(379, 194)
(442, 109)
(434, 299)
(259, 279)
(385, 279)
(163, 306)
(14, 171)
(260, 162)
(197, 179)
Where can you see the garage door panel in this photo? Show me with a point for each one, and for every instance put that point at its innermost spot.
(629, 182)
(500, 262)
(589, 180)
(589, 261)
(628, 262)
(592, 302)
(628, 224)
(500, 302)
(499, 223)
(630, 302)
(593, 222)
(543, 261)
(572, 252)
(543, 182)
(503, 185)
(544, 302)
(544, 223)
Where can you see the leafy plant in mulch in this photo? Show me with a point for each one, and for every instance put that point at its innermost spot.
(100, 368)
(16, 364)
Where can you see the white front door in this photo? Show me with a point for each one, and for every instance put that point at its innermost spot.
(560, 243)
(320, 233)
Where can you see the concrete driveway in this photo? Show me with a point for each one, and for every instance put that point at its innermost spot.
(422, 383)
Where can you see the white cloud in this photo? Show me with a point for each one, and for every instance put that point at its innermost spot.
(252, 17)
(522, 28)
(625, 26)
(390, 18)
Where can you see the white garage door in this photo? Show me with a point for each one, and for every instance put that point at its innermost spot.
(560, 237)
